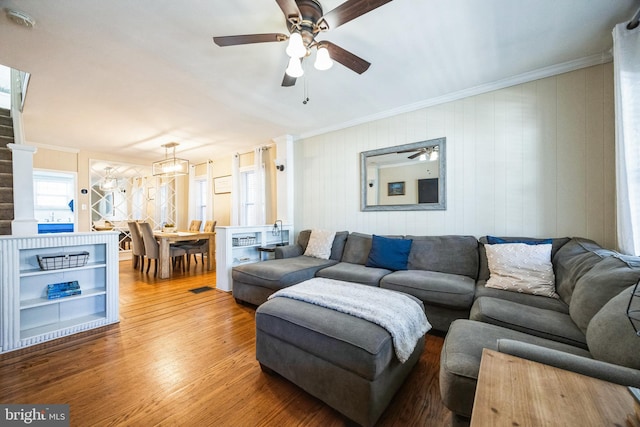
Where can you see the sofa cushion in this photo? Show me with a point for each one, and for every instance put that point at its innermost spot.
(389, 253)
(278, 273)
(354, 273)
(357, 248)
(610, 335)
(336, 248)
(445, 254)
(535, 321)
(527, 299)
(605, 280)
(572, 261)
(447, 290)
(320, 243)
(461, 354)
(493, 240)
(519, 267)
(483, 272)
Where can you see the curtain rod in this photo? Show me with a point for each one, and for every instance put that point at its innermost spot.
(634, 21)
(263, 147)
(203, 163)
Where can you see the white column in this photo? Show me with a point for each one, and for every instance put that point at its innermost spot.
(24, 222)
(285, 179)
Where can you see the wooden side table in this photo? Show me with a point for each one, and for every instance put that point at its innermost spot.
(517, 392)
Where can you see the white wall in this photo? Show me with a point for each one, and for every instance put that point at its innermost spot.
(536, 159)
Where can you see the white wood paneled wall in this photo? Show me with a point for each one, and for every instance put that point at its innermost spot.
(536, 159)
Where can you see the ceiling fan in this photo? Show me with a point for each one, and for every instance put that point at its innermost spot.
(424, 153)
(305, 20)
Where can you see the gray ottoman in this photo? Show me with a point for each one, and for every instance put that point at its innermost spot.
(347, 362)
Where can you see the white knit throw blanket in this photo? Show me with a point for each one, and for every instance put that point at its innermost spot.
(400, 315)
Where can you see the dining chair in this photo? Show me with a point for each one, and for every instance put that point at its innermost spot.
(137, 245)
(201, 246)
(152, 248)
(195, 225)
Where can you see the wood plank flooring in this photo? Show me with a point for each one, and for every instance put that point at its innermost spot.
(184, 359)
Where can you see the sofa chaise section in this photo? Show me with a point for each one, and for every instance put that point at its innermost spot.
(253, 283)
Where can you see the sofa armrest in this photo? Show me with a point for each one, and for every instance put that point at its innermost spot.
(570, 362)
(288, 251)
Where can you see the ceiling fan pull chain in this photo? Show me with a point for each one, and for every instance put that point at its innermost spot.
(305, 98)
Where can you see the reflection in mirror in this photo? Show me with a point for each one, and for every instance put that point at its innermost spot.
(404, 177)
(123, 192)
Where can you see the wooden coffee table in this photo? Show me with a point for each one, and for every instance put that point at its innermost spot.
(518, 392)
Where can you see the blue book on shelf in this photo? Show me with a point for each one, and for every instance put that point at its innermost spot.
(65, 289)
(63, 294)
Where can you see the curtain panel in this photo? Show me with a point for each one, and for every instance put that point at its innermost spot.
(626, 63)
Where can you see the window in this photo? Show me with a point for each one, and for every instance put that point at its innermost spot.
(52, 193)
(201, 199)
(247, 197)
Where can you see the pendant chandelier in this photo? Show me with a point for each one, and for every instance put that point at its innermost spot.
(109, 182)
(170, 166)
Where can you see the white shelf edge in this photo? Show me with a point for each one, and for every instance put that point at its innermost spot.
(38, 272)
(57, 326)
(39, 302)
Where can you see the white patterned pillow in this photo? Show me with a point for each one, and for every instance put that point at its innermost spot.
(320, 243)
(519, 267)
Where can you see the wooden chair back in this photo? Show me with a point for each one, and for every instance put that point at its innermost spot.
(210, 226)
(195, 225)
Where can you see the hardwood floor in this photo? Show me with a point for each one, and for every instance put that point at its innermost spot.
(179, 358)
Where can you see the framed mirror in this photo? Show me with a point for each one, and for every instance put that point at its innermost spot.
(122, 192)
(407, 177)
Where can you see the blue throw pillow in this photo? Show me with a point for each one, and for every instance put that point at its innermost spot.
(391, 254)
(492, 240)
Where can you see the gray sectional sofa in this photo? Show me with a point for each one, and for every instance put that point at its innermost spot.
(442, 272)
(586, 329)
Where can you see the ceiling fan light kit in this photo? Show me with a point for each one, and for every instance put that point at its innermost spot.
(294, 69)
(296, 48)
(305, 20)
(323, 59)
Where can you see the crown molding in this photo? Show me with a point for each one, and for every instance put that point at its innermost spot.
(56, 147)
(529, 76)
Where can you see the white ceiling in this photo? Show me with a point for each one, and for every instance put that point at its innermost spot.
(128, 76)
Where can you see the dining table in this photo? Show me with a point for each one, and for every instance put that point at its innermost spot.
(165, 239)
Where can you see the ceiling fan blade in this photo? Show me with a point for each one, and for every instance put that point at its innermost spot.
(249, 38)
(351, 9)
(413, 156)
(346, 58)
(288, 81)
(289, 8)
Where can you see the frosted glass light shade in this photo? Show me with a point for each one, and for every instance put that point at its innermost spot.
(323, 60)
(170, 167)
(294, 69)
(109, 184)
(296, 48)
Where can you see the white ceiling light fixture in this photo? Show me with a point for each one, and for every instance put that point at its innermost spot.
(170, 166)
(109, 182)
(20, 18)
(294, 69)
(323, 60)
(296, 47)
